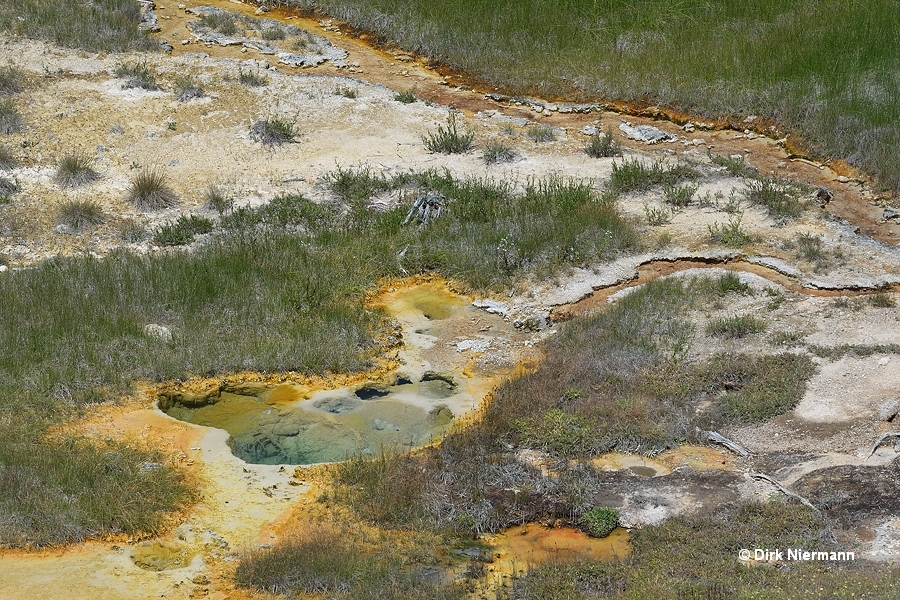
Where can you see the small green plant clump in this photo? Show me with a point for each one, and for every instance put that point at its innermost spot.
(729, 234)
(679, 195)
(274, 131)
(405, 97)
(187, 88)
(736, 166)
(182, 231)
(541, 133)
(7, 159)
(778, 198)
(150, 190)
(7, 188)
(448, 140)
(498, 152)
(273, 33)
(133, 233)
(136, 75)
(657, 215)
(76, 169)
(735, 327)
(599, 522)
(346, 92)
(882, 300)
(81, 214)
(603, 146)
(252, 79)
(10, 80)
(10, 119)
(222, 22)
(216, 199)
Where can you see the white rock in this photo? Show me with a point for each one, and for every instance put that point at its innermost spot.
(3, 268)
(843, 179)
(884, 361)
(160, 332)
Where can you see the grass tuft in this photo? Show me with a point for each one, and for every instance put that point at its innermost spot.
(216, 199)
(75, 170)
(10, 80)
(7, 187)
(541, 133)
(187, 88)
(448, 140)
(603, 146)
(498, 152)
(679, 195)
(730, 234)
(149, 191)
(405, 97)
(7, 158)
(10, 119)
(81, 214)
(252, 79)
(136, 75)
(274, 131)
(346, 92)
(736, 166)
(222, 22)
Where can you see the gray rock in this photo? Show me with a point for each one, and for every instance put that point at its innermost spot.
(889, 409)
(646, 133)
(891, 213)
(63, 229)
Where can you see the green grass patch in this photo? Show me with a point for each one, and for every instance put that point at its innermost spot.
(221, 21)
(736, 166)
(735, 327)
(182, 231)
(100, 25)
(76, 169)
(449, 140)
(730, 234)
(187, 88)
(332, 561)
(81, 214)
(216, 199)
(777, 197)
(405, 97)
(696, 557)
(632, 175)
(820, 67)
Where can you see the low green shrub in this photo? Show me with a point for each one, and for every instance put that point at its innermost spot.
(216, 199)
(632, 175)
(730, 234)
(599, 522)
(448, 140)
(182, 231)
(498, 152)
(405, 97)
(603, 146)
(187, 88)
